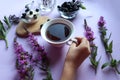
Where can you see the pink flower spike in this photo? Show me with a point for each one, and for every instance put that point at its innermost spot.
(101, 21)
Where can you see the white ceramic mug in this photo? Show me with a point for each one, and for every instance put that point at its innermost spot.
(57, 21)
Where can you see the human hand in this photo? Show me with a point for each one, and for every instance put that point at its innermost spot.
(78, 52)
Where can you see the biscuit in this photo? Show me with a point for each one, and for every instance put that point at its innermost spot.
(33, 28)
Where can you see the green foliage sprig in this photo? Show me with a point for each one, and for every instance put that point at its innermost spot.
(108, 45)
(4, 30)
(89, 34)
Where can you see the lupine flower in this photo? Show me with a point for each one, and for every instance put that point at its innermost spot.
(101, 22)
(33, 42)
(108, 45)
(40, 49)
(41, 58)
(23, 63)
(89, 34)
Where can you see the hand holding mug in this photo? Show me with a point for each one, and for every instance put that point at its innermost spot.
(78, 52)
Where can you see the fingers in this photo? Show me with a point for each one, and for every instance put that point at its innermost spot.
(76, 42)
(88, 46)
(73, 44)
(81, 42)
(85, 43)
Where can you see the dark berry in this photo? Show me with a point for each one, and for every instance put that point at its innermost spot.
(31, 12)
(65, 9)
(27, 10)
(64, 4)
(76, 8)
(73, 1)
(23, 15)
(35, 16)
(58, 7)
(77, 3)
(70, 6)
(37, 10)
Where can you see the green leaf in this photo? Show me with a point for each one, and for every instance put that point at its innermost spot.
(83, 7)
(93, 62)
(6, 20)
(105, 65)
(103, 31)
(113, 63)
(1, 26)
(105, 43)
(110, 47)
(109, 36)
(2, 37)
(3, 33)
(94, 52)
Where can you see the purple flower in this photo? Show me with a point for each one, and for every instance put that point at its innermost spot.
(23, 62)
(18, 48)
(101, 21)
(33, 42)
(87, 28)
(40, 58)
(89, 35)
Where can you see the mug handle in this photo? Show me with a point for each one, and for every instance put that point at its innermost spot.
(71, 41)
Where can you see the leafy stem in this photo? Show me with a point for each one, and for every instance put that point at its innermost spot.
(89, 34)
(41, 59)
(6, 20)
(117, 70)
(108, 45)
(6, 43)
(4, 30)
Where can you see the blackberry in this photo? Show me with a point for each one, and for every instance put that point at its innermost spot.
(23, 15)
(70, 6)
(37, 10)
(31, 12)
(73, 1)
(35, 16)
(75, 8)
(27, 10)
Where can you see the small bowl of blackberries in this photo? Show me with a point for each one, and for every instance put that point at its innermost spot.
(69, 10)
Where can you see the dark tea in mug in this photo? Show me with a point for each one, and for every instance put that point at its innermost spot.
(58, 32)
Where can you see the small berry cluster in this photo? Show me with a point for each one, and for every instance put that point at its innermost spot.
(70, 6)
